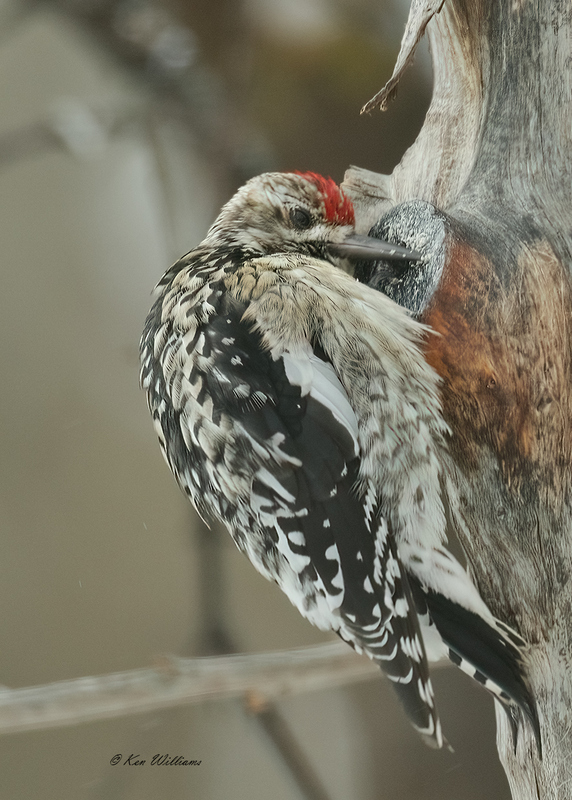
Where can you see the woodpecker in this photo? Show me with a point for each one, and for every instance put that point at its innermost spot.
(294, 404)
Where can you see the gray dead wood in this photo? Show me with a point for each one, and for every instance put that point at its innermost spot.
(491, 174)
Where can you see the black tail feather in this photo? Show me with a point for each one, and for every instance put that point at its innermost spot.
(493, 656)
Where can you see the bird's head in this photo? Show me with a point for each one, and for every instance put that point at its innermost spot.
(280, 212)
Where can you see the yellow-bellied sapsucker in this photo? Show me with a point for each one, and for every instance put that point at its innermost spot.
(294, 404)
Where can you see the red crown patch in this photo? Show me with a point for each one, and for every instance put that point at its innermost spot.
(338, 207)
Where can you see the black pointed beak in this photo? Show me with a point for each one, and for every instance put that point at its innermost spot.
(367, 248)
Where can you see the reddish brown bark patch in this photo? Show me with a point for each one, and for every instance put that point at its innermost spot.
(503, 354)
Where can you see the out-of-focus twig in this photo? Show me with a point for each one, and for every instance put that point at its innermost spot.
(272, 723)
(178, 681)
(162, 53)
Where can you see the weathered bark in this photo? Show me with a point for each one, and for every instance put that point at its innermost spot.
(494, 158)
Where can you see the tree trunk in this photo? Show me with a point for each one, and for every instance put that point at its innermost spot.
(491, 168)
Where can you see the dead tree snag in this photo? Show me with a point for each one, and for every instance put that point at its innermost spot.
(485, 194)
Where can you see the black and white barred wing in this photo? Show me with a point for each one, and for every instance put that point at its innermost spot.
(270, 445)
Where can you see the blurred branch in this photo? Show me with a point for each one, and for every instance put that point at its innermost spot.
(154, 46)
(73, 126)
(214, 636)
(292, 754)
(178, 681)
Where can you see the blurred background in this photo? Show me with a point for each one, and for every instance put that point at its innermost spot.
(124, 125)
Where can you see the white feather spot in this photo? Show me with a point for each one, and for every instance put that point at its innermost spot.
(266, 477)
(328, 390)
(425, 692)
(338, 580)
(393, 569)
(259, 398)
(297, 538)
(200, 343)
(332, 553)
(298, 370)
(242, 390)
(388, 657)
(401, 607)
(318, 379)
(402, 678)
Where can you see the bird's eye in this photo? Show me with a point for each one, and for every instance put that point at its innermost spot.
(300, 218)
